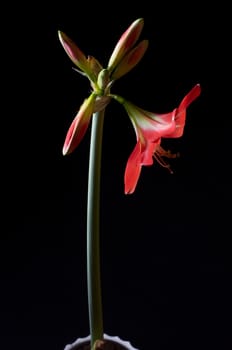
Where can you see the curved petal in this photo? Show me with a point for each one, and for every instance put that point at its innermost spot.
(180, 113)
(151, 125)
(133, 169)
(148, 152)
(141, 155)
(79, 125)
(190, 97)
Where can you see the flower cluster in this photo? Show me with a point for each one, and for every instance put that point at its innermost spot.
(149, 127)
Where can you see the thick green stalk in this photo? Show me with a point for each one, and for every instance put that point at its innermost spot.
(93, 229)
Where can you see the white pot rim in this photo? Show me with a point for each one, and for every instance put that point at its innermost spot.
(115, 339)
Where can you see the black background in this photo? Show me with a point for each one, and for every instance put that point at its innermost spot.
(166, 252)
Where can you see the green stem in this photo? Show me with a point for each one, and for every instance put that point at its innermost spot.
(93, 229)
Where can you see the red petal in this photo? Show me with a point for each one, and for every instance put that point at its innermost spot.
(133, 169)
(180, 112)
(147, 154)
(190, 97)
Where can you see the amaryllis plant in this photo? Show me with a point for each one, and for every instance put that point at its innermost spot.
(149, 127)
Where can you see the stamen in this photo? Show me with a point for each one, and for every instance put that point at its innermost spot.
(160, 153)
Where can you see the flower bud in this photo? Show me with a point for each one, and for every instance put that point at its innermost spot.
(125, 43)
(76, 55)
(103, 79)
(130, 60)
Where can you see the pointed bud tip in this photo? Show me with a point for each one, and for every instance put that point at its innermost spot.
(62, 37)
(140, 19)
(64, 150)
(60, 34)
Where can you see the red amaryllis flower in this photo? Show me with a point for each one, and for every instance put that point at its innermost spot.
(150, 128)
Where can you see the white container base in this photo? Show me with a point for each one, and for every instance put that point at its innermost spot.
(113, 343)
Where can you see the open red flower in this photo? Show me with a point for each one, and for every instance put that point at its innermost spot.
(150, 128)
